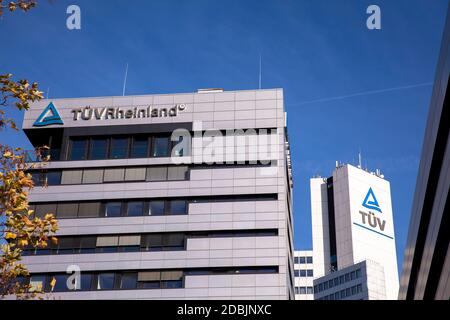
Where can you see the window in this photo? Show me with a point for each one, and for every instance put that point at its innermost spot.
(149, 280)
(309, 273)
(156, 208)
(88, 244)
(43, 251)
(302, 260)
(67, 210)
(71, 176)
(65, 245)
(325, 285)
(302, 273)
(341, 279)
(353, 290)
(309, 290)
(105, 281)
(113, 209)
(89, 209)
(359, 288)
(174, 241)
(309, 260)
(296, 260)
(92, 176)
(353, 275)
(336, 296)
(139, 147)
(150, 285)
(99, 148)
(330, 283)
(172, 279)
(358, 273)
(85, 281)
(135, 174)
(160, 147)
(78, 149)
(302, 290)
(157, 174)
(135, 209)
(297, 273)
(53, 178)
(177, 173)
(114, 175)
(336, 282)
(119, 148)
(347, 277)
(130, 243)
(348, 292)
(342, 294)
(320, 287)
(178, 207)
(128, 280)
(107, 244)
(152, 242)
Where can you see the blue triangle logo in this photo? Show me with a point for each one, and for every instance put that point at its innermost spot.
(370, 202)
(49, 116)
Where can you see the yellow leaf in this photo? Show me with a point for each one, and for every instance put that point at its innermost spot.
(48, 216)
(10, 235)
(23, 242)
(53, 283)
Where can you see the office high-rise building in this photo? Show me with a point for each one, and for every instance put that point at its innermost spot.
(352, 222)
(304, 274)
(181, 196)
(426, 266)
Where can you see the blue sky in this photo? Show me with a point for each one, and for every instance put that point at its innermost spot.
(314, 50)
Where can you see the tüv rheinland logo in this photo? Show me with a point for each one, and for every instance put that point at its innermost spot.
(49, 116)
(370, 201)
(370, 220)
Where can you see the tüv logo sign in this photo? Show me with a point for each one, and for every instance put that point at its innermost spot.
(49, 116)
(369, 220)
(371, 202)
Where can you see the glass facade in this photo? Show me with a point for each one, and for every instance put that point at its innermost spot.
(99, 148)
(120, 147)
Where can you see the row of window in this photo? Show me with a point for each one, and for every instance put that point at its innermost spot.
(304, 273)
(134, 208)
(137, 242)
(129, 280)
(127, 174)
(342, 294)
(95, 209)
(121, 147)
(356, 274)
(109, 175)
(304, 290)
(303, 260)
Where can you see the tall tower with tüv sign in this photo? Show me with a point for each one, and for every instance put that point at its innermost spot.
(352, 221)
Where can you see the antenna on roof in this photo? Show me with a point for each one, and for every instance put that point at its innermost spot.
(125, 80)
(359, 159)
(48, 92)
(260, 71)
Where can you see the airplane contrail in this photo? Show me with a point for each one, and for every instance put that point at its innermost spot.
(363, 93)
